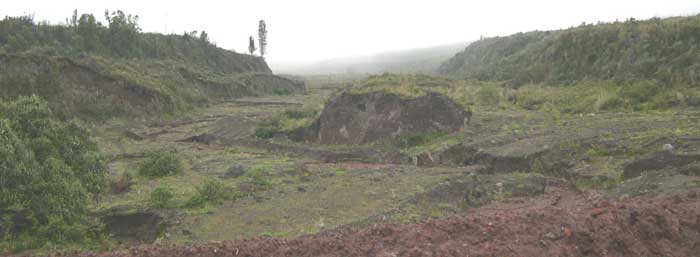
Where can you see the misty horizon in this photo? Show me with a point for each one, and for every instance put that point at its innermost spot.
(308, 32)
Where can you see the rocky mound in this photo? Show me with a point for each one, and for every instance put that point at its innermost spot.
(369, 117)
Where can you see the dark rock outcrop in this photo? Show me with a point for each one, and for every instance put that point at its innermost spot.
(370, 117)
(660, 161)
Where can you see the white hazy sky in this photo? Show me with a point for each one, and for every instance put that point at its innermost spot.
(301, 31)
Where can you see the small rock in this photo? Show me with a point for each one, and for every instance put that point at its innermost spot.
(597, 211)
(551, 236)
(667, 148)
(567, 232)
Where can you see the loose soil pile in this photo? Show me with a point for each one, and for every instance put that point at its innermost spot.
(564, 222)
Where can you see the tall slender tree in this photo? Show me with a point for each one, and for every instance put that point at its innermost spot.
(262, 38)
(251, 45)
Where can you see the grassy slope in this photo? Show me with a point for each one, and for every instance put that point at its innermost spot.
(662, 50)
(80, 69)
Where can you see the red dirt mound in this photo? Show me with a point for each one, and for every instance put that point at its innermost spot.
(563, 223)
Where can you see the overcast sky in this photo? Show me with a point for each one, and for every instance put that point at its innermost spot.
(311, 30)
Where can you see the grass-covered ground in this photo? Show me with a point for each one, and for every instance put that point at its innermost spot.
(286, 191)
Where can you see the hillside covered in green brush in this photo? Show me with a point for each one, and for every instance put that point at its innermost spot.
(100, 70)
(660, 51)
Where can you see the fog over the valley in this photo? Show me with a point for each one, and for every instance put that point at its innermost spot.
(303, 32)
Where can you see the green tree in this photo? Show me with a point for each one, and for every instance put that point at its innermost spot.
(123, 33)
(262, 38)
(204, 37)
(89, 31)
(251, 45)
(49, 168)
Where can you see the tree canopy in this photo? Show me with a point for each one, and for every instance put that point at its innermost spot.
(48, 170)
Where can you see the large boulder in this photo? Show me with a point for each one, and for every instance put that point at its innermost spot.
(369, 117)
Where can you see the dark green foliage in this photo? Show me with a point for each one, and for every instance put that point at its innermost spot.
(120, 38)
(160, 164)
(262, 38)
(162, 197)
(266, 131)
(49, 168)
(286, 121)
(251, 45)
(210, 191)
(663, 50)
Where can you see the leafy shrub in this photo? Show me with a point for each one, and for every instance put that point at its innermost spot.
(489, 95)
(49, 168)
(259, 179)
(640, 92)
(287, 121)
(162, 197)
(692, 98)
(609, 101)
(160, 164)
(265, 131)
(210, 191)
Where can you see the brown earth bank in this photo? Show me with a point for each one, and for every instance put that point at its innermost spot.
(564, 222)
(93, 87)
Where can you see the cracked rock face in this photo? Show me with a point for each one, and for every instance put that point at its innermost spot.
(365, 118)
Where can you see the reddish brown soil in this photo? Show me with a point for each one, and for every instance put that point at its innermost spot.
(562, 223)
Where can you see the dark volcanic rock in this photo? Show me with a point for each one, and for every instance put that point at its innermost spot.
(138, 227)
(364, 118)
(659, 161)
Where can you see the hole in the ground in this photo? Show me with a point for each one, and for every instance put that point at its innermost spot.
(139, 227)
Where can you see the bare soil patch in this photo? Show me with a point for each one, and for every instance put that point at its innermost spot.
(562, 223)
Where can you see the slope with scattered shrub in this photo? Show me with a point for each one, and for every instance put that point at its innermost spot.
(91, 70)
(662, 51)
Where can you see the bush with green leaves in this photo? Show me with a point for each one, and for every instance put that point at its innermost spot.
(210, 191)
(49, 168)
(162, 197)
(160, 164)
(287, 121)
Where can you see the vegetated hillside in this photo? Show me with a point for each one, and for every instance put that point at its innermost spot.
(99, 71)
(665, 51)
(422, 60)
